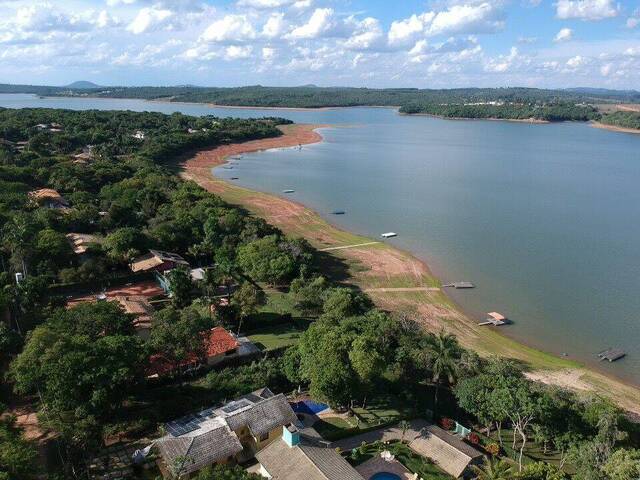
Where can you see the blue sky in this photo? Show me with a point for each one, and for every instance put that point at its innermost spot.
(374, 43)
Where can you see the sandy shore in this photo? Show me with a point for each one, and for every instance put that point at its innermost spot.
(491, 119)
(613, 128)
(395, 280)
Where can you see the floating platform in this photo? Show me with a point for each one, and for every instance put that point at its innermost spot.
(612, 354)
(460, 285)
(389, 235)
(288, 191)
(496, 319)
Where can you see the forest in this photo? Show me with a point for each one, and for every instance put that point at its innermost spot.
(317, 97)
(83, 368)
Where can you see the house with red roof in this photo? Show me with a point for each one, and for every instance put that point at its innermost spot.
(219, 345)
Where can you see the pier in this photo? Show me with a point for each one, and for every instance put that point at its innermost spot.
(612, 354)
(460, 285)
(496, 319)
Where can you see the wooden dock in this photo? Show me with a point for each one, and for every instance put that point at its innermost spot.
(611, 354)
(460, 285)
(494, 318)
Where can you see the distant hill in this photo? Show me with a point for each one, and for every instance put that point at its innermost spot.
(603, 91)
(82, 84)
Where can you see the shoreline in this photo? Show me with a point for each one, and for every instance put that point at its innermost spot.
(613, 128)
(380, 266)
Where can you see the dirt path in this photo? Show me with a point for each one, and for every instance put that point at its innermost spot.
(395, 280)
(329, 249)
(403, 289)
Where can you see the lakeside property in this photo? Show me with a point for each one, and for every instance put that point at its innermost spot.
(377, 266)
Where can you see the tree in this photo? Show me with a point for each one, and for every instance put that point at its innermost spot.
(246, 301)
(493, 469)
(177, 335)
(226, 472)
(265, 261)
(443, 350)
(124, 244)
(308, 295)
(540, 471)
(404, 427)
(180, 287)
(474, 396)
(17, 456)
(623, 465)
(340, 303)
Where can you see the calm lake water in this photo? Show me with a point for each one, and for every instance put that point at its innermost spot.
(544, 219)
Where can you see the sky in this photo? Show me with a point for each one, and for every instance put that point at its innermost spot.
(364, 43)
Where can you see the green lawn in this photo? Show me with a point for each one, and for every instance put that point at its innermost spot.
(277, 336)
(415, 463)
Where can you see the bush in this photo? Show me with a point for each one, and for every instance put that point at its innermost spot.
(473, 438)
(447, 423)
(492, 449)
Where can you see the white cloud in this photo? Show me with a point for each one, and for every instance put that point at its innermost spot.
(586, 9)
(149, 18)
(564, 35)
(605, 70)
(274, 26)
(470, 17)
(235, 52)
(403, 32)
(320, 23)
(367, 35)
(268, 53)
(503, 62)
(266, 4)
(577, 61)
(634, 20)
(231, 28)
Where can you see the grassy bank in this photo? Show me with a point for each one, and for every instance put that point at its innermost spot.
(379, 266)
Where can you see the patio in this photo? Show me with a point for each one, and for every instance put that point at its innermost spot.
(377, 464)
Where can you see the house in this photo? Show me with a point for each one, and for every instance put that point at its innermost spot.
(227, 434)
(447, 450)
(141, 309)
(138, 135)
(158, 261)
(294, 457)
(85, 156)
(196, 275)
(80, 242)
(219, 345)
(50, 198)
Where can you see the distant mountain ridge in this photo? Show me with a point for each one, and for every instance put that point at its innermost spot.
(83, 84)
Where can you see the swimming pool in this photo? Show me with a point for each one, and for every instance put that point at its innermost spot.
(309, 407)
(385, 476)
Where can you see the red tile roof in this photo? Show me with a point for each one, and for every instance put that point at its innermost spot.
(217, 341)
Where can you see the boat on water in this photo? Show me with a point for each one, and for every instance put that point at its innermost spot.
(288, 191)
(389, 235)
(338, 212)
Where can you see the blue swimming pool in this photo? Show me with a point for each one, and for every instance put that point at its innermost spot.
(385, 476)
(309, 407)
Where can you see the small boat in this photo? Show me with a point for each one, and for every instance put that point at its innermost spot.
(389, 235)
(228, 167)
(337, 212)
(288, 191)
(233, 178)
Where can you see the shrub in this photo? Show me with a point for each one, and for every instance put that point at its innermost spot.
(492, 449)
(447, 423)
(473, 438)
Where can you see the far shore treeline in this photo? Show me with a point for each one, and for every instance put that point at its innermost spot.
(513, 103)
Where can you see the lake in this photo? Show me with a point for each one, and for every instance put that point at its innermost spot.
(543, 218)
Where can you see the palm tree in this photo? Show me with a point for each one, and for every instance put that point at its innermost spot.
(493, 469)
(443, 351)
(404, 426)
